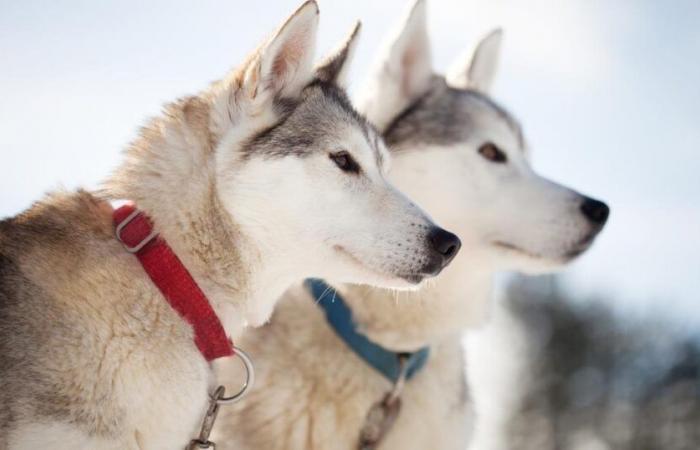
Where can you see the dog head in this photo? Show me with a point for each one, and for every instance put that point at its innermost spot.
(307, 182)
(464, 158)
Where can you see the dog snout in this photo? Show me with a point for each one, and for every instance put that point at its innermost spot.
(595, 211)
(444, 247)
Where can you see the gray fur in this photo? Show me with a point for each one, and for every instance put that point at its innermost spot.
(443, 116)
(309, 125)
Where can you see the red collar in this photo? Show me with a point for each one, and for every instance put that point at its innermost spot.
(135, 231)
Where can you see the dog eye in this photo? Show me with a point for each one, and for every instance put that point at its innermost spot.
(345, 162)
(492, 153)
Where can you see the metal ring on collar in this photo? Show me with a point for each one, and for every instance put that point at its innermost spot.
(249, 379)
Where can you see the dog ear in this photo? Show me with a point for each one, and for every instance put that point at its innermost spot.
(403, 71)
(478, 71)
(334, 69)
(283, 65)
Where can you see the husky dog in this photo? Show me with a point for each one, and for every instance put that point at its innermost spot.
(264, 178)
(465, 158)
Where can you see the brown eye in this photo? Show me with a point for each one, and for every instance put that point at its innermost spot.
(345, 162)
(492, 153)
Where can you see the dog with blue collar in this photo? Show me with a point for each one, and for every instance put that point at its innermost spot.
(397, 367)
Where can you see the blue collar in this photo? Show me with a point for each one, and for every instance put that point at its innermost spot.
(339, 316)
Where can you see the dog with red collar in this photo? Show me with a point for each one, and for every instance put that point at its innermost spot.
(109, 320)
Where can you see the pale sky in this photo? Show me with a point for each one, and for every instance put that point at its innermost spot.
(607, 93)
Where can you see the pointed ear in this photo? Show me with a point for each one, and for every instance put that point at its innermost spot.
(478, 72)
(335, 68)
(402, 72)
(283, 65)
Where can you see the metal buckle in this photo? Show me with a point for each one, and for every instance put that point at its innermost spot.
(144, 241)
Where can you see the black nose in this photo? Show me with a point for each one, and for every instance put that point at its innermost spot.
(595, 211)
(445, 244)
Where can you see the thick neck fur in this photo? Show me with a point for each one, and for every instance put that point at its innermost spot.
(443, 309)
(170, 174)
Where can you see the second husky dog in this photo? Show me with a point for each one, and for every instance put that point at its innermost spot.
(464, 157)
(264, 178)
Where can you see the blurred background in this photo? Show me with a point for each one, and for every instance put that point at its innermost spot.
(607, 93)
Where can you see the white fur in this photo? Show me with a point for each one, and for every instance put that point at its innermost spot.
(285, 63)
(62, 436)
(480, 70)
(402, 71)
(498, 358)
